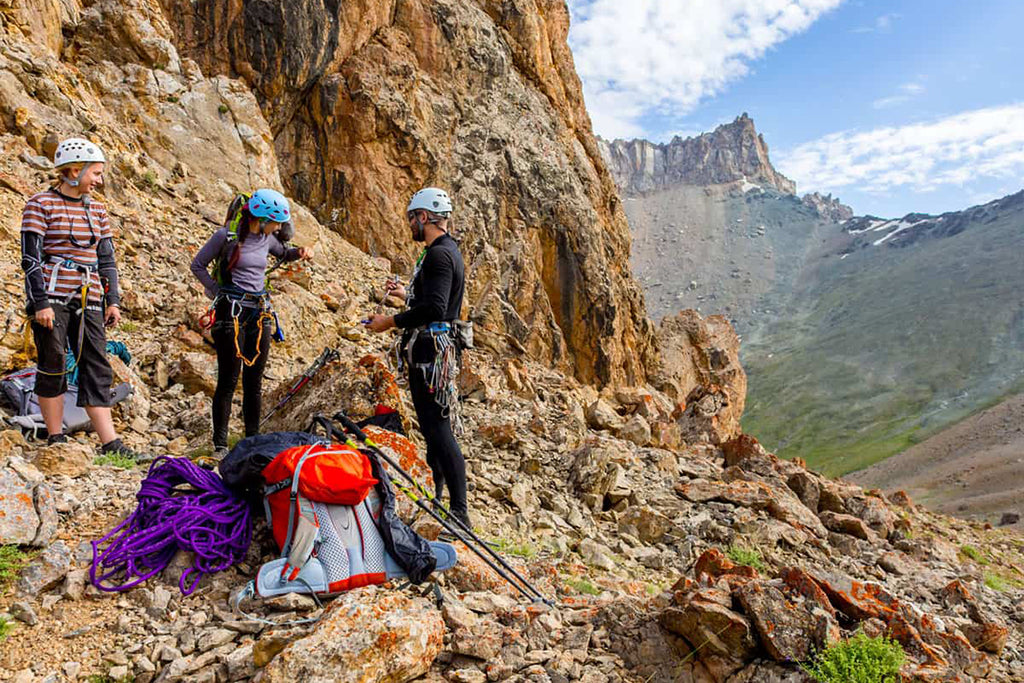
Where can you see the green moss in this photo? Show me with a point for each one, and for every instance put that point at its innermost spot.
(860, 659)
(223, 109)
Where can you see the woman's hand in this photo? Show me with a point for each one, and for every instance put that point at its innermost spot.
(112, 316)
(44, 317)
(305, 253)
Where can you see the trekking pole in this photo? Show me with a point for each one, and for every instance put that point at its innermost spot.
(326, 356)
(376, 452)
(354, 429)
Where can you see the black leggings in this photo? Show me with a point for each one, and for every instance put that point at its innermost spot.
(443, 453)
(229, 365)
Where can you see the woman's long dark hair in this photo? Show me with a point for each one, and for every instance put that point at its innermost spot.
(243, 232)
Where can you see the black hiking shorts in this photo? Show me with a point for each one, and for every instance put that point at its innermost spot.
(94, 372)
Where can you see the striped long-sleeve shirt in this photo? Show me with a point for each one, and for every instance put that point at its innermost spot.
(64, 225)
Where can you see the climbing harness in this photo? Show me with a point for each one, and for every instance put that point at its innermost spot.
(441, 374)
(259, 307)
(82, 296)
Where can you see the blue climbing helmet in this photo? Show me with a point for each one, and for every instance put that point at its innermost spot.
(269, 204)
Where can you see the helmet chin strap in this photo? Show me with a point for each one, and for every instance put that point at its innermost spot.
(81, 174)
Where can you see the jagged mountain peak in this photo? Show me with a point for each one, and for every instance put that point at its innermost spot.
(733, 152)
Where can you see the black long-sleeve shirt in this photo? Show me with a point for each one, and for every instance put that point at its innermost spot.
(435, 294)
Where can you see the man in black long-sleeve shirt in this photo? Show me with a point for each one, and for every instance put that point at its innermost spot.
(434, 300)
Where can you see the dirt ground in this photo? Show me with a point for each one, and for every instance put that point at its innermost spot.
(973, 470)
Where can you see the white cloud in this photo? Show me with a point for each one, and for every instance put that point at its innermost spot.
(907, 92)
(960, 150)
(882, 24)
(667, 55)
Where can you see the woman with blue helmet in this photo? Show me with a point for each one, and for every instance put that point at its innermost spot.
(241, 304)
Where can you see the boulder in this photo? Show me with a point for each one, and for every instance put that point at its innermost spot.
(28, 511)
(790, 627)
(707, 624)
(368, 634)
(637, 430)
(601, 415)
(847, 524)
(48, 569)
(197, 372)
(71, 459)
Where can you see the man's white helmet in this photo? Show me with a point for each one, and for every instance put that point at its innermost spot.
(432, 199)
(77, 151)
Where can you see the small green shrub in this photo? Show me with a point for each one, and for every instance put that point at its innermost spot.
(149, 179)
(6, 627)
(223, 109)
(745, 557)
(11, 560)
(582, 586)
(173, 99)
(128, 326)
(860, 659)
(116, 460)
(973, 553)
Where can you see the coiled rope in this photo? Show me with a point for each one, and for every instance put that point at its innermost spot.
(181, 507)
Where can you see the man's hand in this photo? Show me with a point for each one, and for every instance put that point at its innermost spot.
(44, 317)
(380, 323)
(305, 253)
(395, 288)
(112, 316)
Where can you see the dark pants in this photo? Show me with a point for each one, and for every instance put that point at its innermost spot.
(94, 373)
(443, 453)
(252, 343)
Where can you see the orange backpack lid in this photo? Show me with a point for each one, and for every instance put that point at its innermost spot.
(336, 474)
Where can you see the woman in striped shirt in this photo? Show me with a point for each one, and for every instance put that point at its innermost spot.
(67, 253)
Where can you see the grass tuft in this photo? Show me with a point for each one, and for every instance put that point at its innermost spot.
(973, 553)
(581, 585)
(523, 550)
(861, 659)
(1001, 583)
(123, 462)
(745, 557)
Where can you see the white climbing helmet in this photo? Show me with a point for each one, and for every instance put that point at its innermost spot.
(77, 151)
(431, 199)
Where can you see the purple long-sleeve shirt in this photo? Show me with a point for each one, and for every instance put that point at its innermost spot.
(250, 270)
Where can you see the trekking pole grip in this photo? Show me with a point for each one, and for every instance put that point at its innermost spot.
(350, 425)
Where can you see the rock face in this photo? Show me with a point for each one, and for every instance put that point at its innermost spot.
(368, 101)
(700, 366)
(732, 152)
(828, 207)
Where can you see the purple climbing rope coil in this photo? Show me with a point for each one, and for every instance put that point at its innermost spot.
(181, 507)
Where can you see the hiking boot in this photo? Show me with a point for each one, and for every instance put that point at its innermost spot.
(117, 447)
(463, 516)
(56, 438)
(210, 462)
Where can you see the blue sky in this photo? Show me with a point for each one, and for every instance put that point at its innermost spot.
(898, 106)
